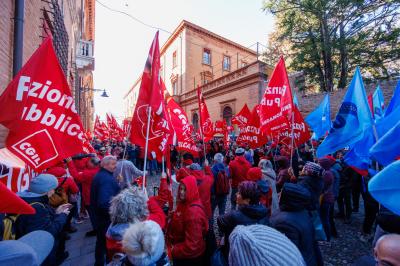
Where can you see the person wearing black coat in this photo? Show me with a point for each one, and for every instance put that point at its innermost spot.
(46, 218)
(294, 220)
(104, 188)
(249, 212)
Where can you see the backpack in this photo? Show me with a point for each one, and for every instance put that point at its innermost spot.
(222, 184)
(60, 196)
(9, 224)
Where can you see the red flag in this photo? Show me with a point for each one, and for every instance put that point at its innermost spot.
(206, 125)
(98, 130)
(182, 128)
(242, 118)
(151, 98)
(11, 203)
(40, 112)
(125, 126)
(277, 102)
(251, 133)
(371, 103)
(300, 131)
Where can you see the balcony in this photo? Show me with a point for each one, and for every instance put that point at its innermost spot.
(84, 56)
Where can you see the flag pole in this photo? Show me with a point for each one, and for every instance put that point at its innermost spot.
(126, 143)
(292, 142)
(146, 146)
(162, 164)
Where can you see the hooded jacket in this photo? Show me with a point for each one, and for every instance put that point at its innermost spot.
(85, 177)
(188, 226)
(294, 221)
(327, 196)
(215, 169)
(45, 217)
(238, 169)
(204, 184)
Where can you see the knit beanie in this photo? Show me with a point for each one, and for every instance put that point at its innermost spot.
(313, 169)
(43, 183)
(143, 243)
(259, 245)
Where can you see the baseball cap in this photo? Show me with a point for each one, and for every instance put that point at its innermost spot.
(30, 250)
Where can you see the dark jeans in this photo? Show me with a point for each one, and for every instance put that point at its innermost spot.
(219, 201)
(54, 258)
(189, 262)
(356, 191)
(92, 216)
(332, 221)
(371, 208)
(233, 198)
(344, 202)
(103, 222)
(324, 213)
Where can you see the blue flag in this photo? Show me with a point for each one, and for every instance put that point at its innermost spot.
(378, 103)
(351, 121)
(320, 119)
(385, 187)
(295, 100)
(387, 149)
(395, 101)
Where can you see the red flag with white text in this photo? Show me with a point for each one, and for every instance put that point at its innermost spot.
(206, 125)
(40, 112)
(301, 132)
(251, 133)
(151, 102)
(242, 118)
(277, 102)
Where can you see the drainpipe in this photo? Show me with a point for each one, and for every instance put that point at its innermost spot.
(18, 35)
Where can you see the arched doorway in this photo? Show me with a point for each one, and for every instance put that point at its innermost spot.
(195, 121)
(227, 115)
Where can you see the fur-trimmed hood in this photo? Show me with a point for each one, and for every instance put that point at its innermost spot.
(143, 243)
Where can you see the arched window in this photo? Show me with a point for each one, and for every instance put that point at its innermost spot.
(195, 121)
(227, 115)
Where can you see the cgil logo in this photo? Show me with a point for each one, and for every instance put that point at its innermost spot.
(38, 148)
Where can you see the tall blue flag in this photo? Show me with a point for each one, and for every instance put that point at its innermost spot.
(395, 101)
(387, 149)
(378, 103)
(320, 119)
(352, 119)
(385, 187)
(295, 100)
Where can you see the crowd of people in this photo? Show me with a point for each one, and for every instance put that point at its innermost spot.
(275, 207)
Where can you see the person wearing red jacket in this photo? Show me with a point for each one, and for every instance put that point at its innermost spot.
(204, 183)
(187, 227)
(238, 169)
(85, 178)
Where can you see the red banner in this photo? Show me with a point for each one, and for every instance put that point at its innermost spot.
(300, 131)
(277, 102)
(242, 118)
(40, 112)
(206, 125)
(182, 128)
(151, 95)
(251, 133)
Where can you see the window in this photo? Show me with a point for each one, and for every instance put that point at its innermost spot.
(206, 77)
(175, 87)
(206, 56)
(227, 115)
(174, 60)
(226, 64)
(195, 121)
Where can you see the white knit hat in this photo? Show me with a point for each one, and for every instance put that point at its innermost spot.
(259, 245)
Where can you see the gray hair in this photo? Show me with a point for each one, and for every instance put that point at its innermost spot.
(107, 159)
(265, 164)
(129, 206)
(219, 158)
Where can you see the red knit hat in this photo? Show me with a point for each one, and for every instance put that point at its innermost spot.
(254, 174)
(57, 171)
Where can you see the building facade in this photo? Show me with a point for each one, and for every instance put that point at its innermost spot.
(228, 73)
(69, 23)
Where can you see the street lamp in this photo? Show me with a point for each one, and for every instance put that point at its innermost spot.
(104, 94)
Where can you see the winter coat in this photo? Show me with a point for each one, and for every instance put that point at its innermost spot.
(268, 177)
(215, 169)
(294, 221)
(128, 171)
(315, 186)
(84, 177)
(188, 226)
(45, 217)
(69, 185)
(328, 177)
(336, 171)
(204, 184)
(283, 174)
(244, 215)
(238, 169)
(104, 188)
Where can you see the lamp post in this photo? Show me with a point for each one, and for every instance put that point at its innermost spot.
(86, 89)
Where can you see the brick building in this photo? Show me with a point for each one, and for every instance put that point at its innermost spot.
(228, 73)
(70, 23)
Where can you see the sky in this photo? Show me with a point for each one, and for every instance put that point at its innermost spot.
(122, 44)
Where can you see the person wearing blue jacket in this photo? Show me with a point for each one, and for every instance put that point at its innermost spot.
(218, 200)
(104, 188)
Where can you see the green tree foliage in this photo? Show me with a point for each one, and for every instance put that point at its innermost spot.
(327, 39)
